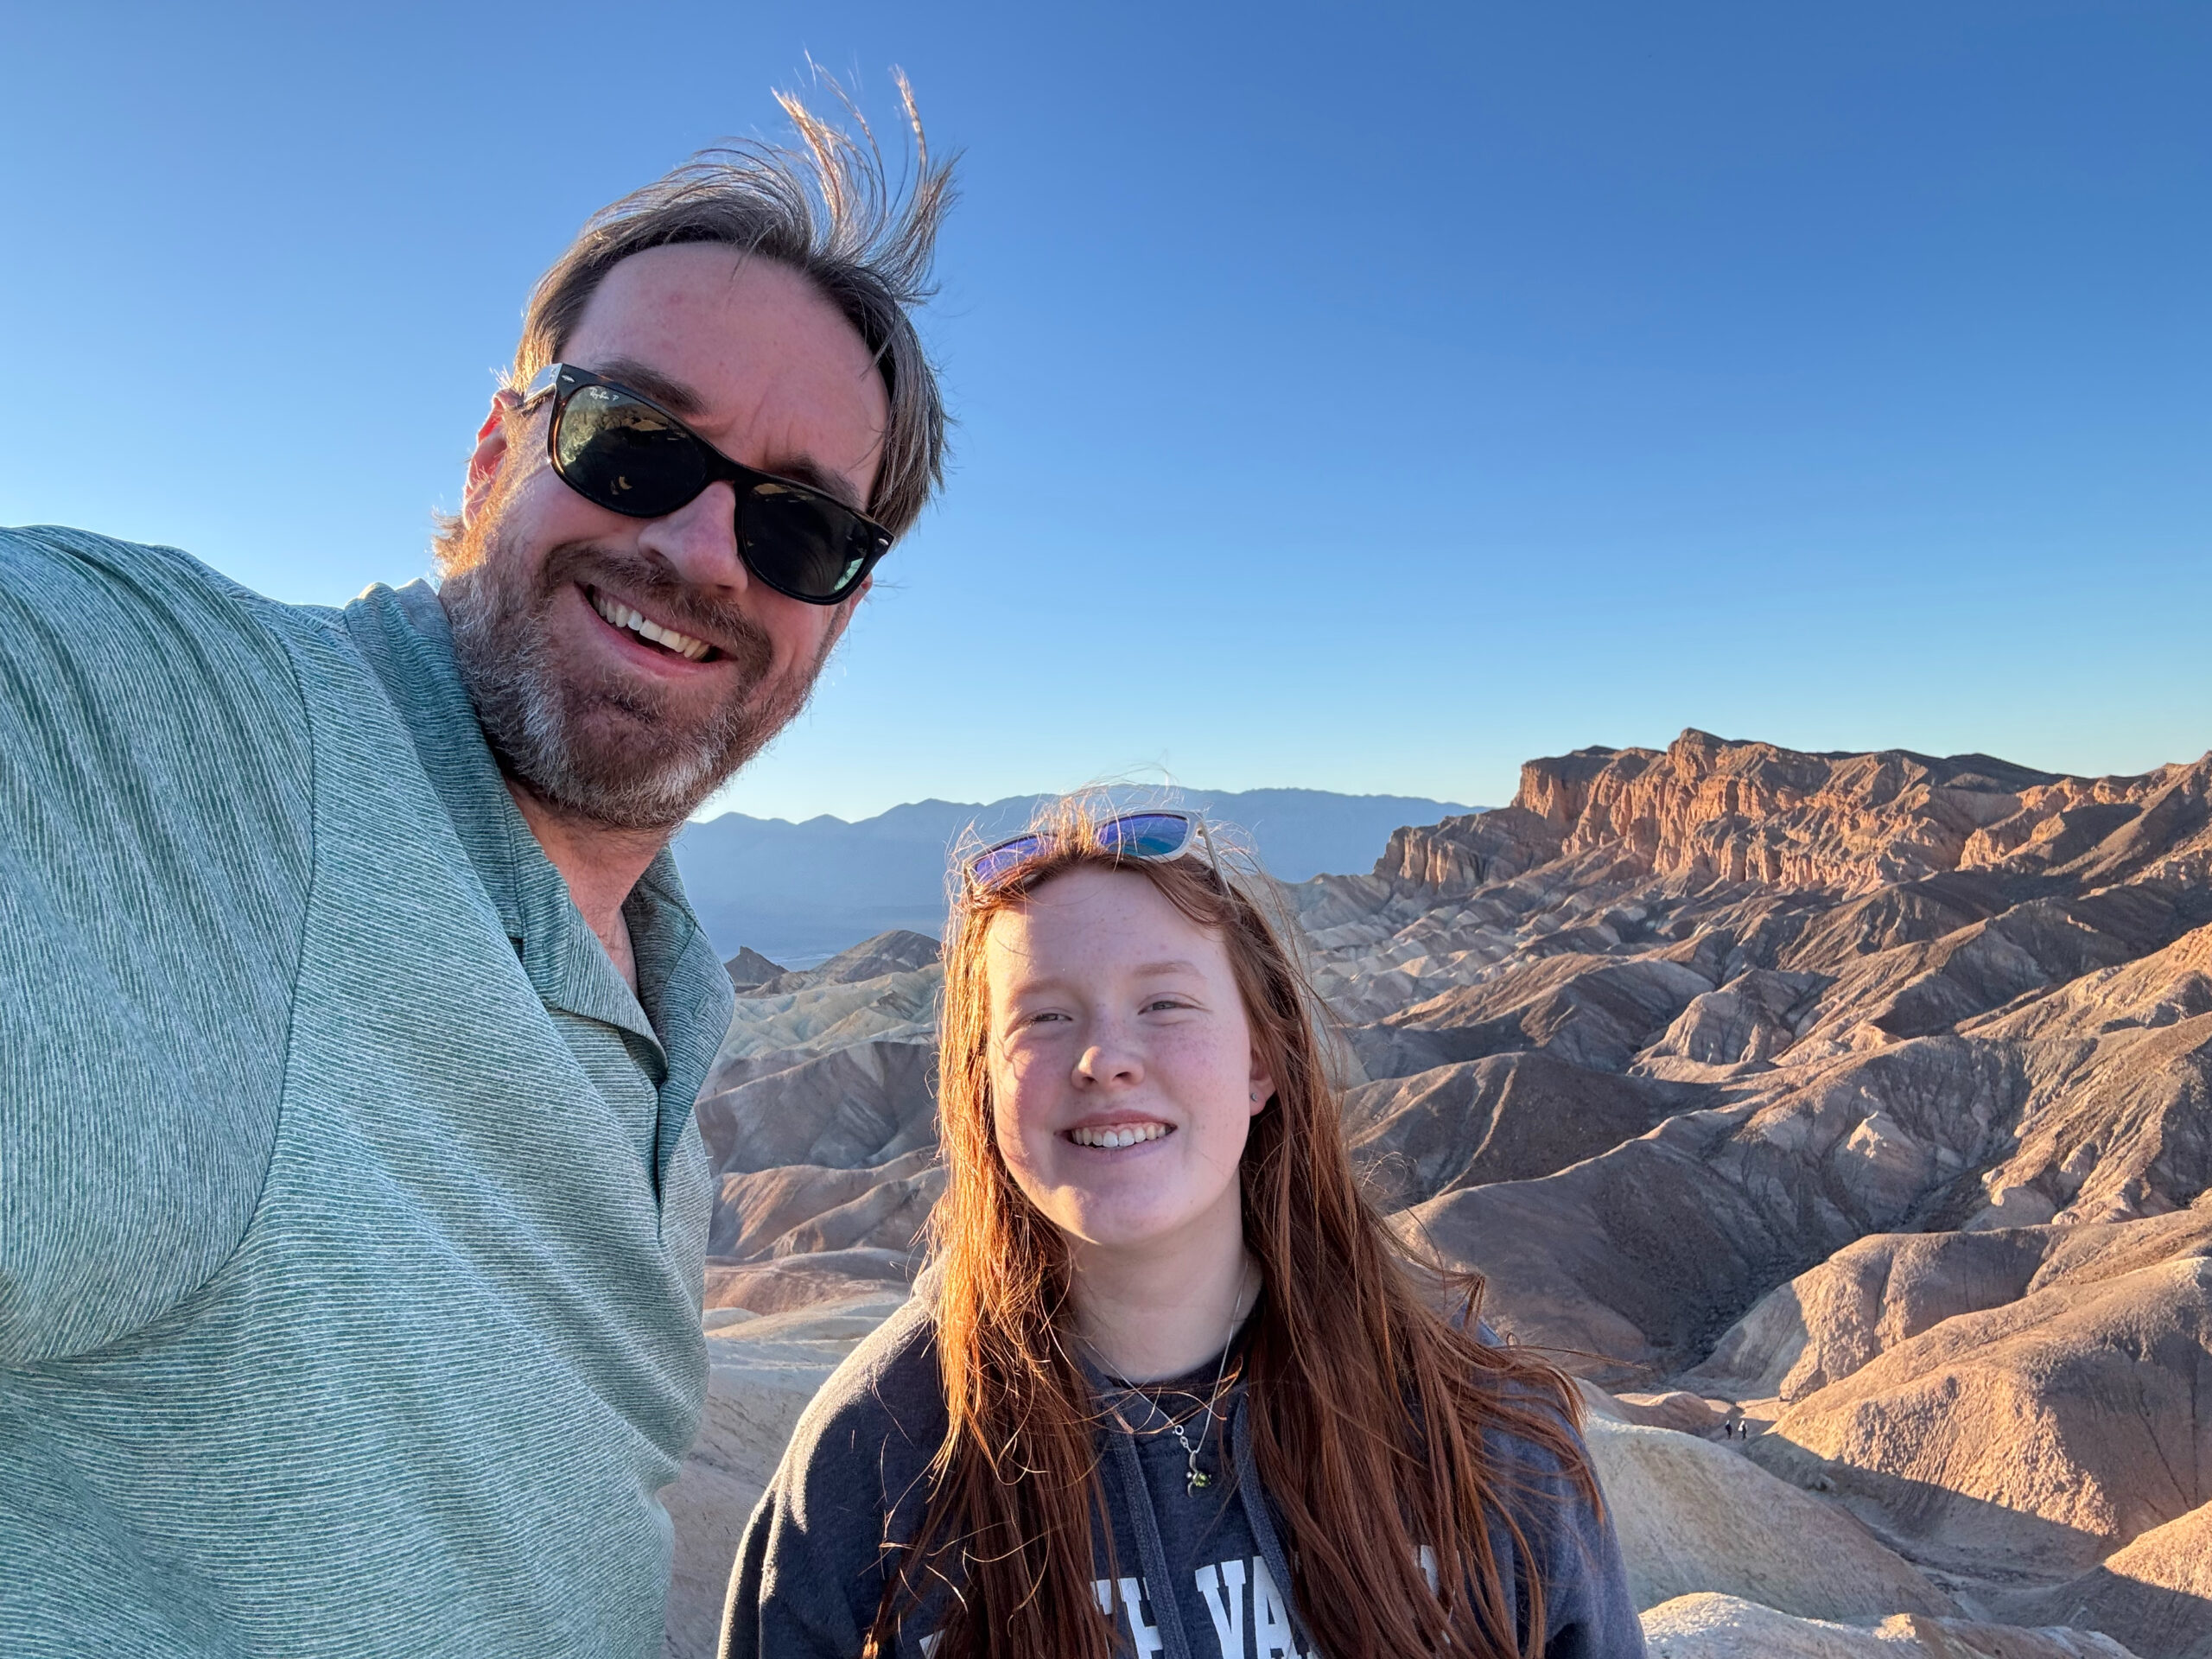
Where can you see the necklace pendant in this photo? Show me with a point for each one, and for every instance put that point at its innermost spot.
(1196, 1480)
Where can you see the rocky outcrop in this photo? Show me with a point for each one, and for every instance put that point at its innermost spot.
(2048, 1429)
(1707, 810)
(1868, 1297)
(1884, 1290)
(1460, 855)
(897, 951)
(803, 1208)
(1507, 1118)
(786, 1284)
(1596, 1017)
(1693, 1515)
(1675, 1408)
(748, 970)
(820, 1124)
(852, 1107)
(1747, 1022)
(2151, 1595)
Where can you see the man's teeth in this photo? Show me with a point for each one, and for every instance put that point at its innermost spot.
(1121, 1137)
(623, 617)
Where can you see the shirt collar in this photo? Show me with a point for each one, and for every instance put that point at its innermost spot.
(405, 638)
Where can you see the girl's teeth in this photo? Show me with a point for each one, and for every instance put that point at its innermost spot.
(1114, 1140)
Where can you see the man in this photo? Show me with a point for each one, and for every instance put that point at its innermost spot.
(353, 1215)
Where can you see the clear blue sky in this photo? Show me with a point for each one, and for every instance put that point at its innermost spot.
(1366, 397)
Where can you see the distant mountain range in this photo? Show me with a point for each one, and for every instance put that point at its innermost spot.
(799, 892)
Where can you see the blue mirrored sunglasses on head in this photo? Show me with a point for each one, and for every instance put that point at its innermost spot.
(1133, 834)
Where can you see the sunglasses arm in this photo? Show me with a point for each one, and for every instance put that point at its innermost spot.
(541, 383)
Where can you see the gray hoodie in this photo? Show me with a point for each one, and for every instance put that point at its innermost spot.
(1198, 1571)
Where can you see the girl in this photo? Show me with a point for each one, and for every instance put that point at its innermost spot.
(1170, 1387)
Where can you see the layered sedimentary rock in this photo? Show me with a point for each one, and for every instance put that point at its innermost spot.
(1705, 810)
(819, 1119)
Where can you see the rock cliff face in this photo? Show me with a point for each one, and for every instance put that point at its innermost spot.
(1869, 1094)
(1706, 809)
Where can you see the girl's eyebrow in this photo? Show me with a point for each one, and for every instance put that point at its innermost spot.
(1046, 984)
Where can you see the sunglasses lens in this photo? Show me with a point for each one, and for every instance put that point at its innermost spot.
(993, 862)
(801, 544)
(1146, 835)
(624, 455)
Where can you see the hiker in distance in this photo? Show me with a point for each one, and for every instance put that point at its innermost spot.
(353, 1213)
(1168, 1387)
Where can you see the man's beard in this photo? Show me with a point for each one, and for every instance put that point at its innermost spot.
(614, 753)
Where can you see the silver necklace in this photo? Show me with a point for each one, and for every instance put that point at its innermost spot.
(1195, 1479)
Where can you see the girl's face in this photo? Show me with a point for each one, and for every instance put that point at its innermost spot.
(1122, 1064)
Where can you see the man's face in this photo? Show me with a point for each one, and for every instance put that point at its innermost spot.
(588, 713)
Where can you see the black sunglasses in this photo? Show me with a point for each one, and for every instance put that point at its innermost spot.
(625, 453)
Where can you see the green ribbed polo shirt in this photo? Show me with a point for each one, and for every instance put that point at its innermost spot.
(352, 1212)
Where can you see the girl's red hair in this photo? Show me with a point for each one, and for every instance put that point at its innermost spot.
(1367, 1408)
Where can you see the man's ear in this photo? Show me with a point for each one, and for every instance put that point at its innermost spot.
(489, 456)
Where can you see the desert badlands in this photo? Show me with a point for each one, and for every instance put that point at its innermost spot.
(1843, 1120)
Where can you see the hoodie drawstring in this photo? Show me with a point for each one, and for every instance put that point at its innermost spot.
(1151, 1550)
(1255, 1501)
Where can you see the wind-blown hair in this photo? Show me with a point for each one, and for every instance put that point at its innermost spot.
(1366, 1408)
(825, 210)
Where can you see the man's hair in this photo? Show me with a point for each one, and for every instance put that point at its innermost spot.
(826, 210)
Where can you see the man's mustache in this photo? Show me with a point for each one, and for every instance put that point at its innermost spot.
(674, 601)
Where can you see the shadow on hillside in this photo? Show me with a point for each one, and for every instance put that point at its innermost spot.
(2010, 1565)
(1999, 1548)
(2151, 1621)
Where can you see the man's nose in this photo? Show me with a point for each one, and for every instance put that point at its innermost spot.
(699, 539)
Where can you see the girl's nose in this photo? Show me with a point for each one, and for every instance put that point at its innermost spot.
(1101, 1064)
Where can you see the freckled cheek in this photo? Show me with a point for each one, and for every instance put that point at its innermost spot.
(1020, 1103)
(1208, 1072)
